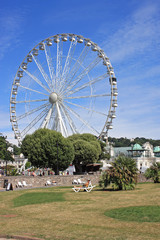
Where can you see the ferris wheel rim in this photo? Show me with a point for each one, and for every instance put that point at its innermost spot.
(110, 72)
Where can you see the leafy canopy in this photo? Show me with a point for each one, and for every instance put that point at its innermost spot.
(87, 149)
(48, 148)
(4, 152)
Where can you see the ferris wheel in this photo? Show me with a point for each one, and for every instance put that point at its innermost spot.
(65, 83)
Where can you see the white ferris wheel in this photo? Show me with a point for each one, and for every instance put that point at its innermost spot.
(65, 83)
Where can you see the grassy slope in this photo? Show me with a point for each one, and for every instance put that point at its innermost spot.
(80, 216)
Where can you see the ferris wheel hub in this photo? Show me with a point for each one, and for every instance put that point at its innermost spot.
(53, 98)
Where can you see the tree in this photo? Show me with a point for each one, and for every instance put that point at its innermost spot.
(32, 149)
(87, 150)
(5, 154)
(28, 165)
(153, 172)
(48, 148)
(16, 150)
(85, 153)
(122, 175)
(58, 150)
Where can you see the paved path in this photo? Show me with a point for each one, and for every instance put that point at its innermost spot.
(7, 239)
(20, 238)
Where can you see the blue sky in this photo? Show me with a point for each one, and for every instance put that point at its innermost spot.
(128, 32)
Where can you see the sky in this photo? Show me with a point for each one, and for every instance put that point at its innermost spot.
(128, 32)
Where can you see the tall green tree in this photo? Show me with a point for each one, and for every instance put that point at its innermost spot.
(48, 148)
(85, 153)
(85, 136)
(153, 172)
(122, 174)
(87, 150)
(5, 154)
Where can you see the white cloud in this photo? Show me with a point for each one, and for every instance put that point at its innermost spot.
(138, 34)
(134, 50)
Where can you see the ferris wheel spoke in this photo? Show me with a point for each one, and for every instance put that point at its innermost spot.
(28, 101)
(88, 109)
(69, 59)
(30, 89)
(44, 74)
(81, 120)
(34, 122)
(59, 63)
(32, 111)
(76, 66)
(84, 73)
(89, 96)
(37, 80)
(47, 118)
(91, 82)
(63, 123)
(70, 121)
(50, 65)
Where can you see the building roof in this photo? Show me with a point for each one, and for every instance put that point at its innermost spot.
(121, 150)
(137, 147)
(156, 149)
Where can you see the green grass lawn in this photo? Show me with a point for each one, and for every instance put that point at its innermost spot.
(37, 198)
(59, 213)
(136, 213)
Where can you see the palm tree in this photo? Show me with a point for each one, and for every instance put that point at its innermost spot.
(122, 175)
(153, 172)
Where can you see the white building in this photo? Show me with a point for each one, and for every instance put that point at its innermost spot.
(19, 162)
(144, 155)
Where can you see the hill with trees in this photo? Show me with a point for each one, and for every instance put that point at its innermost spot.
(125, 142)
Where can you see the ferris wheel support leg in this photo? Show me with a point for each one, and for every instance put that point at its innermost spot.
(59, 119)
(47, 118)
(71, 123)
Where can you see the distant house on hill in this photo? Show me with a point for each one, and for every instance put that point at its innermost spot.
(144, 155)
